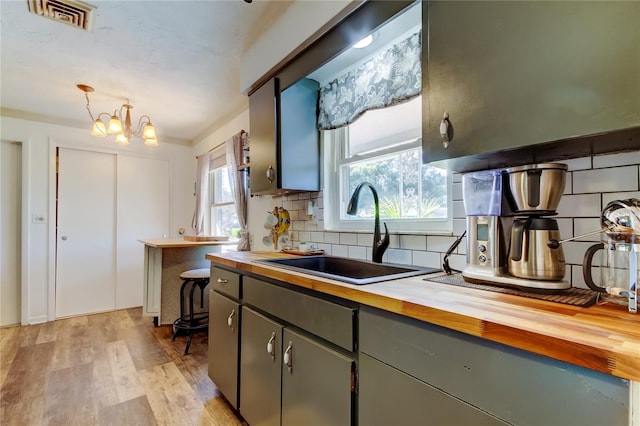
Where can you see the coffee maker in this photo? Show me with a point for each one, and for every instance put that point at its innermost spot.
(509, 226)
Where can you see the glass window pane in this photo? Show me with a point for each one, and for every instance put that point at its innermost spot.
(222, 188)
(406, 188)
(224, 221)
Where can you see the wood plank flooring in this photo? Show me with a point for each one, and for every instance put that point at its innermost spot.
(107, 369)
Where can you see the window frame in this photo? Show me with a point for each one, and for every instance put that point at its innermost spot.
(336, 195)
(218, 161)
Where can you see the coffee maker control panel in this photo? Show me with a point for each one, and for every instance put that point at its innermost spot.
(482, 249)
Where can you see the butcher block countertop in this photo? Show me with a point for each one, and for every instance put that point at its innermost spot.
(179, 242)
(605, 337)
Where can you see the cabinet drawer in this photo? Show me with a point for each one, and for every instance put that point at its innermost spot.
(225, 282)
(514, 385)
(390, 397)
(325, 319)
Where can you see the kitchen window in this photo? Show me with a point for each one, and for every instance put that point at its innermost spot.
(223, 220)
(383, 147)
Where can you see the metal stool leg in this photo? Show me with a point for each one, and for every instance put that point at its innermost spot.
(175, 329)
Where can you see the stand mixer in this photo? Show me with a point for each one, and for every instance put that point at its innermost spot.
(508, 227)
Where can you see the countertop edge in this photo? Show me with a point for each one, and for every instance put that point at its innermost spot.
(601, 338)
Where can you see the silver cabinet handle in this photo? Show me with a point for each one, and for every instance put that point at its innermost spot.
(63, 238)
(271, 174)
(222, 281)
(271, 350)
(288, 356)
(230, 319)
(445, 124)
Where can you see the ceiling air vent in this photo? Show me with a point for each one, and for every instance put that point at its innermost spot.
(70, 12)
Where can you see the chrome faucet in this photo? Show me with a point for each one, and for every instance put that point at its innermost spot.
(379, 244)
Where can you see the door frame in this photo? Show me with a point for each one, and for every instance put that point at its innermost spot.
(25, 147)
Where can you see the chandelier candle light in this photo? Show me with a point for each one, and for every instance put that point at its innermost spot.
(144, 130)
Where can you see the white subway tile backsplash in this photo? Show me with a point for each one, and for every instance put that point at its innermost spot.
(456, 191)
(615, 179)
(357, 252)
(578, 163)
(425, 258)
(586, 225)
(399, 256)
(413, 242)
(365, 239)
(458, 210)
(304, 236)
(587, 191)
(566, 227)
(348, 238)
(612, 196)
(584, 205)
(394, 241)
(316, 237)
(574, 251)
(459, 226)
(438, 243)
(458, 261)
(332, 237)
(325, 247)
(568, 184)
(614, 160)
(338, 250)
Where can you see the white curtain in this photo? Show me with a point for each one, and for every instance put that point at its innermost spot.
(236, 180)
(202, 193)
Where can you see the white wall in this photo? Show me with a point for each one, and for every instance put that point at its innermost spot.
(298, 22)
(37, 138)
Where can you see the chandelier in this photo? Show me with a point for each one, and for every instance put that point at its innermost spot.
(122, 130)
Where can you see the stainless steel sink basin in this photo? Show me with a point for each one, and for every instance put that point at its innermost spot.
(348, 270)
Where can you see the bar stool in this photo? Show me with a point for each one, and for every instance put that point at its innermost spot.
(191, 321)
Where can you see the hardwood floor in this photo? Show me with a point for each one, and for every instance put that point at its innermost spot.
(114, 368)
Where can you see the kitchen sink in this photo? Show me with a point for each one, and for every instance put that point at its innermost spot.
(351, 271)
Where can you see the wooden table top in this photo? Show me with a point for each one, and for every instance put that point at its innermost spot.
(605, 337)
(179, 242)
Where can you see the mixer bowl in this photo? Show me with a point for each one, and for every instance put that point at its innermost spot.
(537, 188)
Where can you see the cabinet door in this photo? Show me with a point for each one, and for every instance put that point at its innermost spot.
(388, 396)
(260, 369)
(262, 119)
(224, 329)
(299, 138)
(317, 385)
(514, 74)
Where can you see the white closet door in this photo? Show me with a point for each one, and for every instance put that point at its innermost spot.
(10, 232)
(86, 232)
(143, 212)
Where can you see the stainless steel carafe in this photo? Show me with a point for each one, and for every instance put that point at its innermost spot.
(529, 255)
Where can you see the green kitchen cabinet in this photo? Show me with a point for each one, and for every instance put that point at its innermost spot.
(260, 369)
(476, 379)
(389, 396)
(285, 150)
(224, 341)
(512, 77)
(297, 348)
(317, 383)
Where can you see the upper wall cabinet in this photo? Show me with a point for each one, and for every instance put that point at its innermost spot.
(516, 82)
(285, 152)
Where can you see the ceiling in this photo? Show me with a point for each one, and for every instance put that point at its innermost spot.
(175, 61)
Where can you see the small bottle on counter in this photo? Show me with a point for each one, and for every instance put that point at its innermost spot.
(303, 246)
